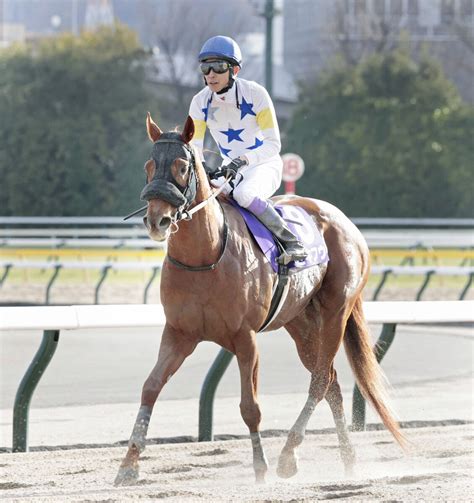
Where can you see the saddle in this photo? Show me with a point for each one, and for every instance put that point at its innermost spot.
(303, 226)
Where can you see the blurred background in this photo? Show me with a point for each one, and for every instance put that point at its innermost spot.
(376, 96)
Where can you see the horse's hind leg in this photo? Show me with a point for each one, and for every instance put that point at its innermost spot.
(247, 357)
(288, 461)
(317, 343)
(334, 399)
(173, 351)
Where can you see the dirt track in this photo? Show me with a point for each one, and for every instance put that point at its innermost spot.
(439, 468)
(115, 292)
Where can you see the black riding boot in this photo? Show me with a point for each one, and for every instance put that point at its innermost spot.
(294, 250)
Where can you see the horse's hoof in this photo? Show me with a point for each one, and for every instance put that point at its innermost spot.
(287, 466)
(126, 476)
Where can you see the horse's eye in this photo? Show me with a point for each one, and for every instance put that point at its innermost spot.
(183, 170)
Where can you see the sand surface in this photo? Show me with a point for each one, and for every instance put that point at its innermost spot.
(438, 468)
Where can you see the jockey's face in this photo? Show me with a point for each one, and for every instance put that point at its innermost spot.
(217, 81)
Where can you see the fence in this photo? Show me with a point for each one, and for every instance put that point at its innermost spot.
(428, 272)
(53, 319)
(113, 232)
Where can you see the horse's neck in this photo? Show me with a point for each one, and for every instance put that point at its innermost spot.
(198, 241)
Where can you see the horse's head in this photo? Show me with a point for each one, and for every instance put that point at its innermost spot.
(171, 178)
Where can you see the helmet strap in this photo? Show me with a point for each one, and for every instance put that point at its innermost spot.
(230, 83)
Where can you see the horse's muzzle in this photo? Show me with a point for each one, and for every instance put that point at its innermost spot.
(158, 228)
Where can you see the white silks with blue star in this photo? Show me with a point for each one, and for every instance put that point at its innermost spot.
(250, 129)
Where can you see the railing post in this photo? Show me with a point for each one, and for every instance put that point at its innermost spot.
(105, 271)
(57, 268)
(466, 287)
(408, 259)
(358, 401)
(27, 386)
(150, 281)
(385, 276)
(5, 273)
(424, 286)
(208, 391)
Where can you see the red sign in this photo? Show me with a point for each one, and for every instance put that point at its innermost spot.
(293, 167)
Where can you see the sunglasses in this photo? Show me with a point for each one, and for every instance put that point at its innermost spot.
(215, 66)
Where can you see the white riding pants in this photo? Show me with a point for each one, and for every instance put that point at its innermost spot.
(255, 182)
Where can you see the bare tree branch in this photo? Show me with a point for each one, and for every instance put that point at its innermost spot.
(180, 27)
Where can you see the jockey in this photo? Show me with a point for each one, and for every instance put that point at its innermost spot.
(241, 118)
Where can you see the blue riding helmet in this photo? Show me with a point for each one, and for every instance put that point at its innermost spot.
(223, 48)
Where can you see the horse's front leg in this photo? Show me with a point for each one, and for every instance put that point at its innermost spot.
(247, 357)
(174, 348)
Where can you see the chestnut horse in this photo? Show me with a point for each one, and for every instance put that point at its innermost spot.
(216, 286)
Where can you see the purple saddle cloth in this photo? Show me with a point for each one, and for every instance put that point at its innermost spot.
(300, 223)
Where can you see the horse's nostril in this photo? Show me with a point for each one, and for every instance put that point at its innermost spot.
(145, 220)
(164, 223)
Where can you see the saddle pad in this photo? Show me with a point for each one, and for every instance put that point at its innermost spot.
(301, 224)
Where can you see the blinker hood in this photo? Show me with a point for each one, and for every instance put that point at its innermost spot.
(163, 186)
(162, 189)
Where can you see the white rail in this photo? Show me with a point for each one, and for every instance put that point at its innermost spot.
(379, 238)
(151, 315)
(113, 232)
(75, 317)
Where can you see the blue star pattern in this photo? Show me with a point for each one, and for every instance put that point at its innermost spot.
(258, 143)
(233, 134)
(225, 151)
(205, 111)
(246, 109)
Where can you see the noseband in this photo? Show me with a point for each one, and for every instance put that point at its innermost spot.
(164, 186)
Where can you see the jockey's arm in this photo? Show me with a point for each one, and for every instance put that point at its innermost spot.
(199, 128)
(268, 124)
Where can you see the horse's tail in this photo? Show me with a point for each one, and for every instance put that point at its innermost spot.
(367, 371)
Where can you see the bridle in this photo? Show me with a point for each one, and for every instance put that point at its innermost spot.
(164, 186)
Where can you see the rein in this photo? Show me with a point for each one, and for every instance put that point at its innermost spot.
(187, 215)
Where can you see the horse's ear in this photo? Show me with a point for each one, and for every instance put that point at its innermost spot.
(188, 131)
(154, 132)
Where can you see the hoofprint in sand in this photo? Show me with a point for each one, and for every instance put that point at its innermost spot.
(439, 467)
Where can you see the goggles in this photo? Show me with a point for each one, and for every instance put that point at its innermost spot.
(215, 66)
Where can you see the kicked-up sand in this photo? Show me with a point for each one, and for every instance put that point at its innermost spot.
(439, 467)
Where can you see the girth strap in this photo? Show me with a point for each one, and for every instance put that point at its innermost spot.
(279, 295)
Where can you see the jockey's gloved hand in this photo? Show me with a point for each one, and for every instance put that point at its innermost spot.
(230, 171)
(212, 172)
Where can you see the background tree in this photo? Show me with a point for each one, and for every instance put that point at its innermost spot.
(72, 136)
(389, 137)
